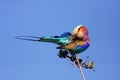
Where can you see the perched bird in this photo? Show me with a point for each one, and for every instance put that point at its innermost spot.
(74, 42)
(69, 42)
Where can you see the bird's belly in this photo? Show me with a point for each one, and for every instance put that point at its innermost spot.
(75, 49)
(78, 50)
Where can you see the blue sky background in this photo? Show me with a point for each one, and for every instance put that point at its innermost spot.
(25, 60)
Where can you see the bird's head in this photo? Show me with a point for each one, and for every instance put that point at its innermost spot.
(81, 32)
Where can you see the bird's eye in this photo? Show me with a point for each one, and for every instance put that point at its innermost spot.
(79, 29)
(74, 36)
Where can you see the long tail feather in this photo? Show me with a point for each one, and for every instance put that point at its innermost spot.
(51, 39)
(29, 38)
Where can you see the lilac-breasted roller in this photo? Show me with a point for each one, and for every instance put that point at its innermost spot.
(73, 42)
(69, 42)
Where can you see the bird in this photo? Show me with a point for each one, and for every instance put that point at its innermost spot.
(74, 42)
(69, 44)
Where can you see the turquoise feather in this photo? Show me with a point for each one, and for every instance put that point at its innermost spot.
(56, 40)
(63, 39)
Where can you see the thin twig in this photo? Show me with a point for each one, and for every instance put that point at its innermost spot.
(71, 62)
(80, 68)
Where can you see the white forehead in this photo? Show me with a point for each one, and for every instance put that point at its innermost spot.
(76, 28)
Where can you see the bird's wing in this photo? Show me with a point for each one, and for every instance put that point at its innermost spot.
(63, 39)
(55, 39)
